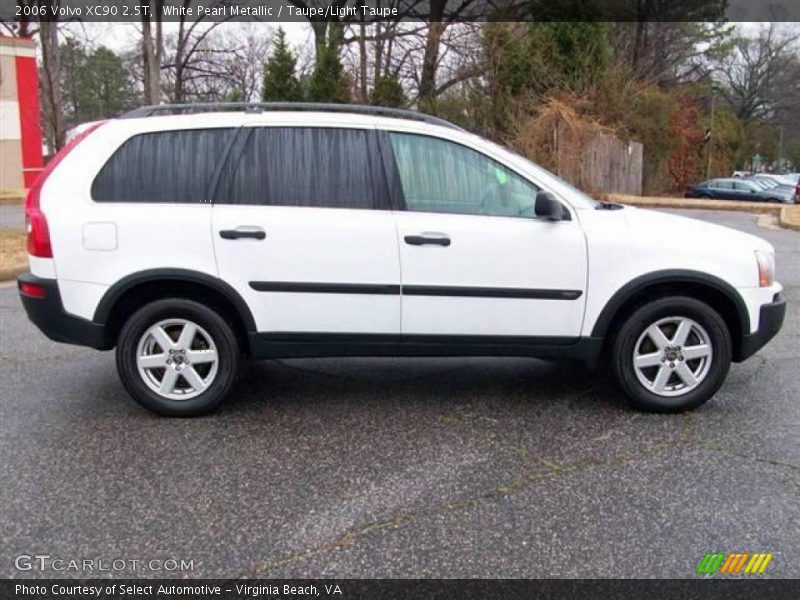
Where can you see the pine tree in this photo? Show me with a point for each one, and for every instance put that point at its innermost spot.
(280, 82)
(389, 92)
(328, 83)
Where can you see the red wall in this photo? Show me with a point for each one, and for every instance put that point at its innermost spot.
(30, 126)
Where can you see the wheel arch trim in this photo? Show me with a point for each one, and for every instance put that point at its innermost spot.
(669, 276)
(117, 291)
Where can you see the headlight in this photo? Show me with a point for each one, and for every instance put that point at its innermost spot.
(766, 268)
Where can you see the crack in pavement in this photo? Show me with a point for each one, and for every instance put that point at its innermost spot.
(494, 494)
(750, 457)
(506, 489)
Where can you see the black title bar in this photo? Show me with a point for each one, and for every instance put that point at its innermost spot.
(271, 11)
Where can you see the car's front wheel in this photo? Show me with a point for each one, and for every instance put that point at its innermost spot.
(671, 354)
(177, 357)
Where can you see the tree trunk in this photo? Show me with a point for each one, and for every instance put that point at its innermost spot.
(180, 46)
(151, 54)
(427, 80)
(377, 66)
(320, 29)
(362, 48)
(51, 82)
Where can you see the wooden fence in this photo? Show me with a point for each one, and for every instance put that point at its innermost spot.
(602, 163)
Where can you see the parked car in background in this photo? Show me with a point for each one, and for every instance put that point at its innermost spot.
(736, 188)
(785, 179)
(775, 190)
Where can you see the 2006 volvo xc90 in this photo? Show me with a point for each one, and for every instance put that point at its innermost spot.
(189, 238)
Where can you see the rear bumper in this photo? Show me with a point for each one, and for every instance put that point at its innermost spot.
(770, 322)
(48, 314)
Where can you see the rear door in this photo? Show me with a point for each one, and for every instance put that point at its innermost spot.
(301, 230)
(475, 259)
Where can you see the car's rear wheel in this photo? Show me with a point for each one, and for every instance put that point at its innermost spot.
(671, 354)
(178, 357)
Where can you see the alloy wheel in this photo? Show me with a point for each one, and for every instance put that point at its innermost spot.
(177, 359)
(672, 356)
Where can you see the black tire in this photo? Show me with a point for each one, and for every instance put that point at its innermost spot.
(643, 398)
(222, 335)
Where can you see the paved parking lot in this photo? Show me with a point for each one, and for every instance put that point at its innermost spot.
(401, 468)
(12, 216)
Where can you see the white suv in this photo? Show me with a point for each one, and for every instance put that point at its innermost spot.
(190, 237)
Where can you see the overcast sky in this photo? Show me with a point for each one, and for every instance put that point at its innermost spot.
(121, 36)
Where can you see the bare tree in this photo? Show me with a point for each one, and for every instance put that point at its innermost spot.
(757, 78)
(668, 53)
(244, 62)
(188, 43)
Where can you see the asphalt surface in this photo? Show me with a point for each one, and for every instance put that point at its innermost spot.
(400, 468)
(12, 216)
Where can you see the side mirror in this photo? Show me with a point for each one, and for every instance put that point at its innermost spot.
(547, 207)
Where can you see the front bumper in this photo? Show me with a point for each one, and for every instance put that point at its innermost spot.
(769, 324)
(48, 314)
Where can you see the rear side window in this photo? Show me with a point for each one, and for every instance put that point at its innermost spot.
(303, 167)
(164, 166)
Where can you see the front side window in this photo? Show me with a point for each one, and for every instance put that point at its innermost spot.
(444, 177)
(164, 166)
(722, 185)
(303, 167)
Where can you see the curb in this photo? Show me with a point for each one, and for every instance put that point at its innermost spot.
(788, 217)
(12, 196)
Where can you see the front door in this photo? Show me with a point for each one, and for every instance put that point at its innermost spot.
(475, 259)
(300, 231)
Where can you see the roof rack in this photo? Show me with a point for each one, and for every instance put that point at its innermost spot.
(260, 107)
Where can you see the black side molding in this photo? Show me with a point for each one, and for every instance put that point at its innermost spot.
(490, 292)
(325, 288)
(414, 290)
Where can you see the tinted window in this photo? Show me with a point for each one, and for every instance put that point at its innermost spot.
(441, 176)
(303, 166)
(722, 185)
(166, 166)
(746, 186)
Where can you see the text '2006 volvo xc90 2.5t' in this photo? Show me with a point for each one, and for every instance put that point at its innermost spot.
(190, 238)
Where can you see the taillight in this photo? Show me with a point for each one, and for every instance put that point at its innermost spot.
(35, 222)
(33, 290)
